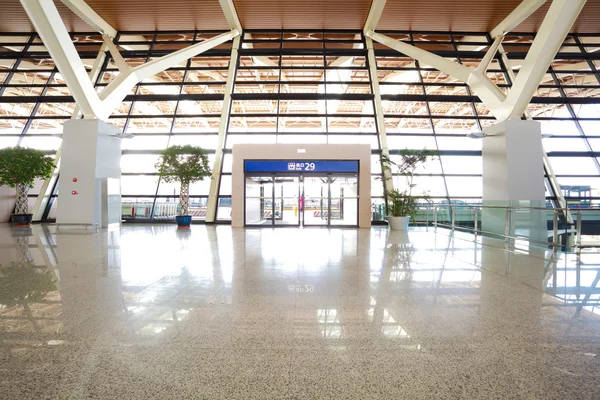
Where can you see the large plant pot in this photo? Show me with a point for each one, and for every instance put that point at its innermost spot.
(21, 219)
(183, 221)
(398, 223)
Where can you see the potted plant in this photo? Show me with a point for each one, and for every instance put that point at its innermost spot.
(185, 164)
(401, 205)
(19, 167)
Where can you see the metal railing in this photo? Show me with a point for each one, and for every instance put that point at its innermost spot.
(572, 239)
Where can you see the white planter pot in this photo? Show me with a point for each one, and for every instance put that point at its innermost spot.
(398, 223)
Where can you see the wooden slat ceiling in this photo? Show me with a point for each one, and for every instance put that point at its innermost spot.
(416, 15)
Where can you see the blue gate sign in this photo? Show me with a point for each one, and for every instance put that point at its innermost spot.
(300, 166)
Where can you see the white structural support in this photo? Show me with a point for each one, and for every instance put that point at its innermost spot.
(555, 186)
(375, 12)
(373, 18)
(231, 15)
(489, 56)
(519, 14)
(54, 34)
(48, 186)
(86, 13)
(116, 90)
(550, 37)
(557, 23)
(234, 23)
(215, 184)
(388, 183)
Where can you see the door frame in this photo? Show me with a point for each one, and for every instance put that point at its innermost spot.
(329, 197)
(301, 190)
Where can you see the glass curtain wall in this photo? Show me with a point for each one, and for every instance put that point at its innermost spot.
(307, 87)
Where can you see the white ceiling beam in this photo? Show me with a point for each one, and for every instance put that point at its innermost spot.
(489, 56)
(489, 93)
(231, 15)
(519, 14)
(114, 52)
(453, 69)
(160, 64)
(116, 91)
(54, 34)
(52, 30)
(87, 13)
(375, 12)
(549, 39)
(557, 23)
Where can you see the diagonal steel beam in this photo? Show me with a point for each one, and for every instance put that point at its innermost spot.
(231, 15)
(375, 12)
(453, 69)
(550, 37)
(519, 14)
(388, 183)
(52, 30)
(54, 34)
(87, 13)
(215, 183)
(556, 25)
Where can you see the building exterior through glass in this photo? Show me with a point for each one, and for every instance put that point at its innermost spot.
(307, 87)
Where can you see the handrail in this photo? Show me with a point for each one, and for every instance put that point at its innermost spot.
(508, 222)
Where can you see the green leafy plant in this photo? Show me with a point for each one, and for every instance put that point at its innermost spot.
(19, 167)
(402, 203)
(184, 164)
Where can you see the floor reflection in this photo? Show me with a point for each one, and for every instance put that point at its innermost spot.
(213, 287)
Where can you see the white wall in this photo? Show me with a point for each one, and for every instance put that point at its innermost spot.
(360, 152)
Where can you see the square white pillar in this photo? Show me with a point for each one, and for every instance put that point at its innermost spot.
(513, 175)
(513, 168)
(90, 174)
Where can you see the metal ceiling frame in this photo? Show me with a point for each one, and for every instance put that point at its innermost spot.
(556, 25)
(54, 34)
(550, 37)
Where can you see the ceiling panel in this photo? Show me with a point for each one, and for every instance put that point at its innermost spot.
(303, 14)
(472, 15)
(127, 15)
(437, 15)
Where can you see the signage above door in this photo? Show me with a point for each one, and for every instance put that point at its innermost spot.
(315, 166)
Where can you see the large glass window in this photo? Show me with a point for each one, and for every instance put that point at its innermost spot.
(307, 87)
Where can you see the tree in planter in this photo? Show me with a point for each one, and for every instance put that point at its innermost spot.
(402, 203)
(19, 167)
(185, 164)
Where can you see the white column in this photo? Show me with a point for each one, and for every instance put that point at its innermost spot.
(512, 162)
(513, 175)
(90, 174)
(215, 183)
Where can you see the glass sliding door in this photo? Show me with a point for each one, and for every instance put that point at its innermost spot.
(287, 190)
(259, 201)
(315, 201)
(301, 200)
(344, 200)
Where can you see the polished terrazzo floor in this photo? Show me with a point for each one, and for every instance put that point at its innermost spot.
(150, 312)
